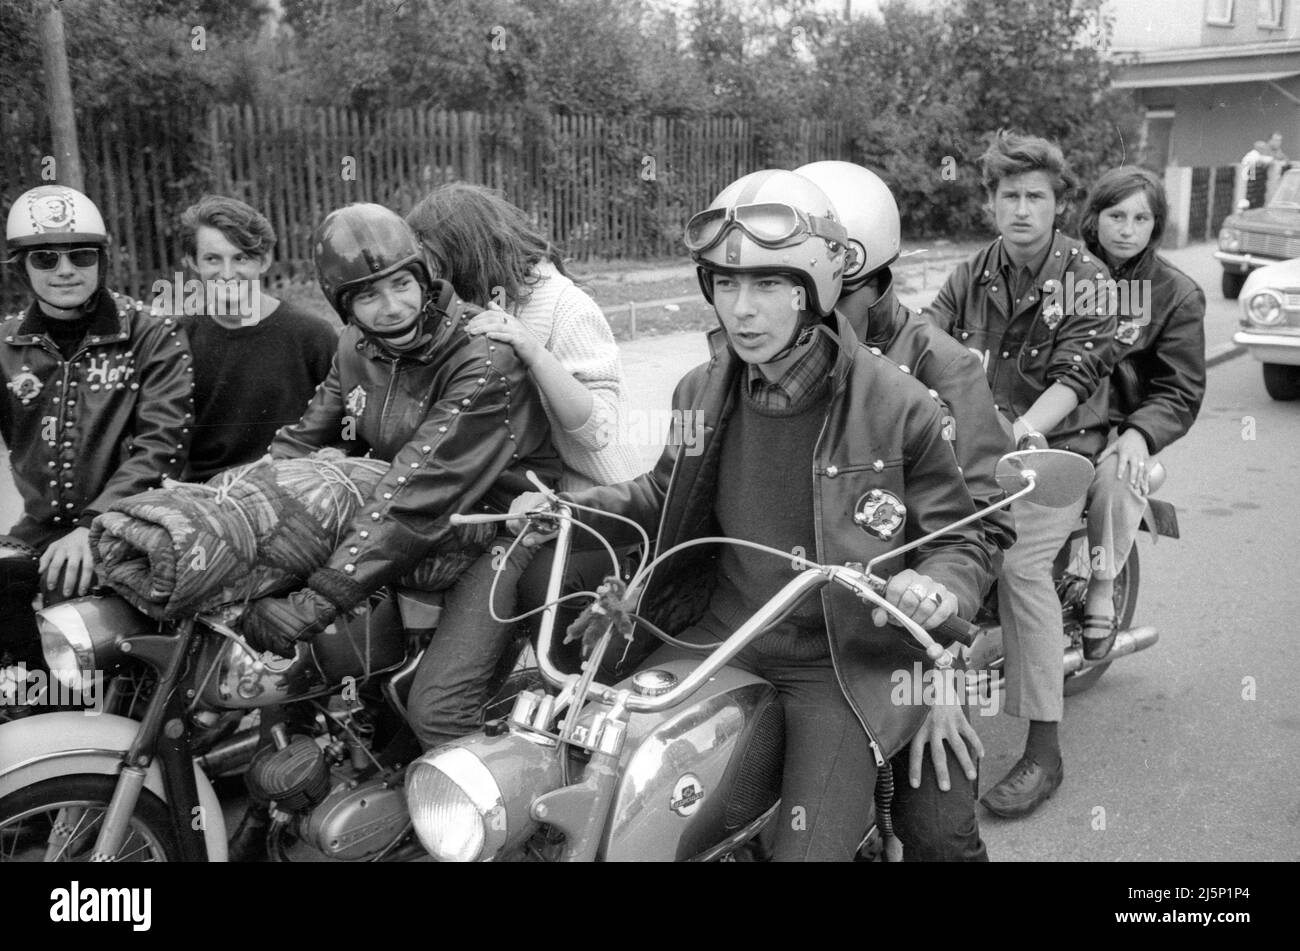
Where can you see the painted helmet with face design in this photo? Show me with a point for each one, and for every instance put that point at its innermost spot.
(54, 216)
(773, 221)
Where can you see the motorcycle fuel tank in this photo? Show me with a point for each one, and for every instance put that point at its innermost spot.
(694, 775)
(369, 643)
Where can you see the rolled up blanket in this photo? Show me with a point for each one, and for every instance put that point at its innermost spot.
(250, 531)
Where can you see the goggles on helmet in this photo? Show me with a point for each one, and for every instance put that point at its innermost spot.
(46, 259)
(770, 224)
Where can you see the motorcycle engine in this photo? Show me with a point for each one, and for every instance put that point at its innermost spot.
(295, 776)
(356, 821)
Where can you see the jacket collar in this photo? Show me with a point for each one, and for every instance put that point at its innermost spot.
(107, 322)
(882, 316)
(1060, 253)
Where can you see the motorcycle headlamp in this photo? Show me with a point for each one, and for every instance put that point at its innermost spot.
(456, 806)
(68, 647)
(471, 800)
(1265, 307)
(769, 224)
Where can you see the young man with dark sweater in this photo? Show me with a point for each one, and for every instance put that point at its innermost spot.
(257, 359)
(817, 447)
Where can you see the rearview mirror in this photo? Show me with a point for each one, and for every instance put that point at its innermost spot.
(1060, 478)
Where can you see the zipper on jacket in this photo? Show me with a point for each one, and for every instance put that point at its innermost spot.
(830, 638)
(383, 411)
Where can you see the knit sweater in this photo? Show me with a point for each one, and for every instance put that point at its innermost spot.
(571, 326)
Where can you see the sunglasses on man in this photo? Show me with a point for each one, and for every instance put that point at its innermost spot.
(48, 260)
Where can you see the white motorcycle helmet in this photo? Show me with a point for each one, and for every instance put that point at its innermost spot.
(771, 221)
(54, 215)
(866, 207)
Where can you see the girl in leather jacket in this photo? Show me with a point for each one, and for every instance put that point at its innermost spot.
(1158, 381)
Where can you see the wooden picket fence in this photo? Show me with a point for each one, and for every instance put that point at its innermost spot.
(602, 187)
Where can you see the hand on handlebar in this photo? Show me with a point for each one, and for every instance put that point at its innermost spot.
(534, 534)
(921, 598)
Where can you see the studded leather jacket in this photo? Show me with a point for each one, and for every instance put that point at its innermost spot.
(979, 434)
(110, 421)
(1060, 332)
(457, 417)
(882, 437)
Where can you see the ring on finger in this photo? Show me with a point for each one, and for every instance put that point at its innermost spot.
(918, 590)
(934, 596)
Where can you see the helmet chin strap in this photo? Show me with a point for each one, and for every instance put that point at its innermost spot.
(799, 337)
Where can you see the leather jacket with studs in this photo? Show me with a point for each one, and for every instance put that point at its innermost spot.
(110, 421)
(457, 417)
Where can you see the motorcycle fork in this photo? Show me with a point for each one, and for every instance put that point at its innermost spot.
(581, 811)
(164, 718)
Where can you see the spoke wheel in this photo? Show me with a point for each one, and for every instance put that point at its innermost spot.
(58, 820)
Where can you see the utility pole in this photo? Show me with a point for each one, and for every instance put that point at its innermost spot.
(58, 92)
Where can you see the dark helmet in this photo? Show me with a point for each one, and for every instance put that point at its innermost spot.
(359, 244)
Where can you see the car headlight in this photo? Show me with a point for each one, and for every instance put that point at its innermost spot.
(1229, 239)
(1265, 307)
(455, 804)
(67, 645)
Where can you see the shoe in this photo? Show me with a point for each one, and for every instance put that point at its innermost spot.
(248, 844)
(1097, 647)
(1022, 790)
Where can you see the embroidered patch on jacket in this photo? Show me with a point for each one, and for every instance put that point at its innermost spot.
(1126, 332)
(880, 513)
(356, 401)
(26, 386)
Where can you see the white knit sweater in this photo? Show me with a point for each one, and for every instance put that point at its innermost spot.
(570, 325)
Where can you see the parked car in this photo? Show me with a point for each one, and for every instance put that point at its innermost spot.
(1261, 236)
(1270, 325)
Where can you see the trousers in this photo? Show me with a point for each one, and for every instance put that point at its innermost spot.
(1033, 635)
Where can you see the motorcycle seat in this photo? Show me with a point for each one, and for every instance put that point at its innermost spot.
(419, 610)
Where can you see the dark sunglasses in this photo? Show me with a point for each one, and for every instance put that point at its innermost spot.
(47, 260)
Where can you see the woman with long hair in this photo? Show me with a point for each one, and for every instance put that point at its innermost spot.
(496, 258)
(1158, 381)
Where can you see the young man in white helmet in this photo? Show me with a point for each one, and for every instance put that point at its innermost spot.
(804, 428)
(95, 403)
(944, 827)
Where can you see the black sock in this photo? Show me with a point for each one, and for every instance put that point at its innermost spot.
(1042, 744)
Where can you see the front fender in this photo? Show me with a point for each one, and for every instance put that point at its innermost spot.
(71, 743)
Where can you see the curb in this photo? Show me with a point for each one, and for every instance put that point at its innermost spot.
(1223, 354)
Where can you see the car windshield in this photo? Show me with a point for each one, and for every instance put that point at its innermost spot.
(1288, 191)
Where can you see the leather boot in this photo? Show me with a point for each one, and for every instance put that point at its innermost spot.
(248, 844)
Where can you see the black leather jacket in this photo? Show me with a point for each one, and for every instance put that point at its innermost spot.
(111, 421)
(980, 435)
(882, 430)
(457, 417)
(1028, 351)
(1159, 377)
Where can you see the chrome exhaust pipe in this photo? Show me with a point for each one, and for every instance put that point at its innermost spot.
(1128, 642)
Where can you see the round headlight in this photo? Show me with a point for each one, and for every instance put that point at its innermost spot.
(456, 806)
(1265, 307)
(67, 645)
(1229, 239)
